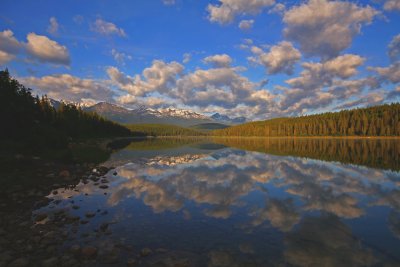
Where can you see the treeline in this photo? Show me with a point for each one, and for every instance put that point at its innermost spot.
(375, 153)
(162, 130)
(381, 120)
(30, 122)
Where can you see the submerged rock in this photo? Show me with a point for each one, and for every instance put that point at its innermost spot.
(50, 262)
(40, 217)
(89, 252)
(21, 262)
(145, 252)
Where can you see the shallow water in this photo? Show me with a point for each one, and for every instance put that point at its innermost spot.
(239, 202)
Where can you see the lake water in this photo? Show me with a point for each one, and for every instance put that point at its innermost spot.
(239, 202)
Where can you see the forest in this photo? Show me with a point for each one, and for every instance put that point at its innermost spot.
(381, 120)
(162, 130)
(30, 122)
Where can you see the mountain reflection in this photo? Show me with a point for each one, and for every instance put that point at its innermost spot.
(231, 203)
(221, 179)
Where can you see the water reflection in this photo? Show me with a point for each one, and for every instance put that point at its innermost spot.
(222, 206)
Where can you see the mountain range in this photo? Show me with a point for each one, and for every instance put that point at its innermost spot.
(144, 114)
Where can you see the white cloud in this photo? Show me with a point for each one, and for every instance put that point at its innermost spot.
(68, 87)
(246, 24)
(278, 8)
(390, 73)
(280, 58)
(391, 5)
(9, 46)
(317, 75)
(221, 60)
(120, 57)
(394, 48)
(5, 57)
(169, 2)
(159, 77)
(325, 28)
(45, 50)
(53, 27)
(107, 28)
(372, 98)
(186, 58)
(226, 11)
(320, 84)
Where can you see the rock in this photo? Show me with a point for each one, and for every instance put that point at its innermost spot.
(145, 252)
(104, 181)
(64, 174)
(110, 256)
(21, 262)
(50, 175)
(90, 214)
(131, 263)
(103, 186)
(40, 217)
(84, 221)
(89, 252)
(6, 256)
(50, 262)
(75, 249)
(75, 207)
(103, 227)
(115, 173)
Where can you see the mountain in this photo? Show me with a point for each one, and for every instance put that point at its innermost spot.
(225, 119)
(143, 114)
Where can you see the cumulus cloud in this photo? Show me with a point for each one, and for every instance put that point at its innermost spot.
(43, 49)
(388, 74)
(9, 46)
(372, 98)
(120, 57)
(394, 93)
(219, 61)
(159, 77)
(392, 5)
(226, 10)
(107, 28)
(280, 58)
(246, 24)
(319, 84)
(317, 75)
(394, 48)
(53, 27)
(325, 28)
(68, 87)
(219, 86)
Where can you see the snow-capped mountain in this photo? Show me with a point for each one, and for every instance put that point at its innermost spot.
(226, 119)
(182, 113)
(144, 114)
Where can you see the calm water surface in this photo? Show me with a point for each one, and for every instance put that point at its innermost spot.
(242, 202)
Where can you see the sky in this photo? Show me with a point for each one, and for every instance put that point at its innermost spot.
(254, 58)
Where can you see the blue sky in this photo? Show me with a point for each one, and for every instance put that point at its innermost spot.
(253, 58)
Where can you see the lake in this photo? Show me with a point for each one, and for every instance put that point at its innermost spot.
(235, 202)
